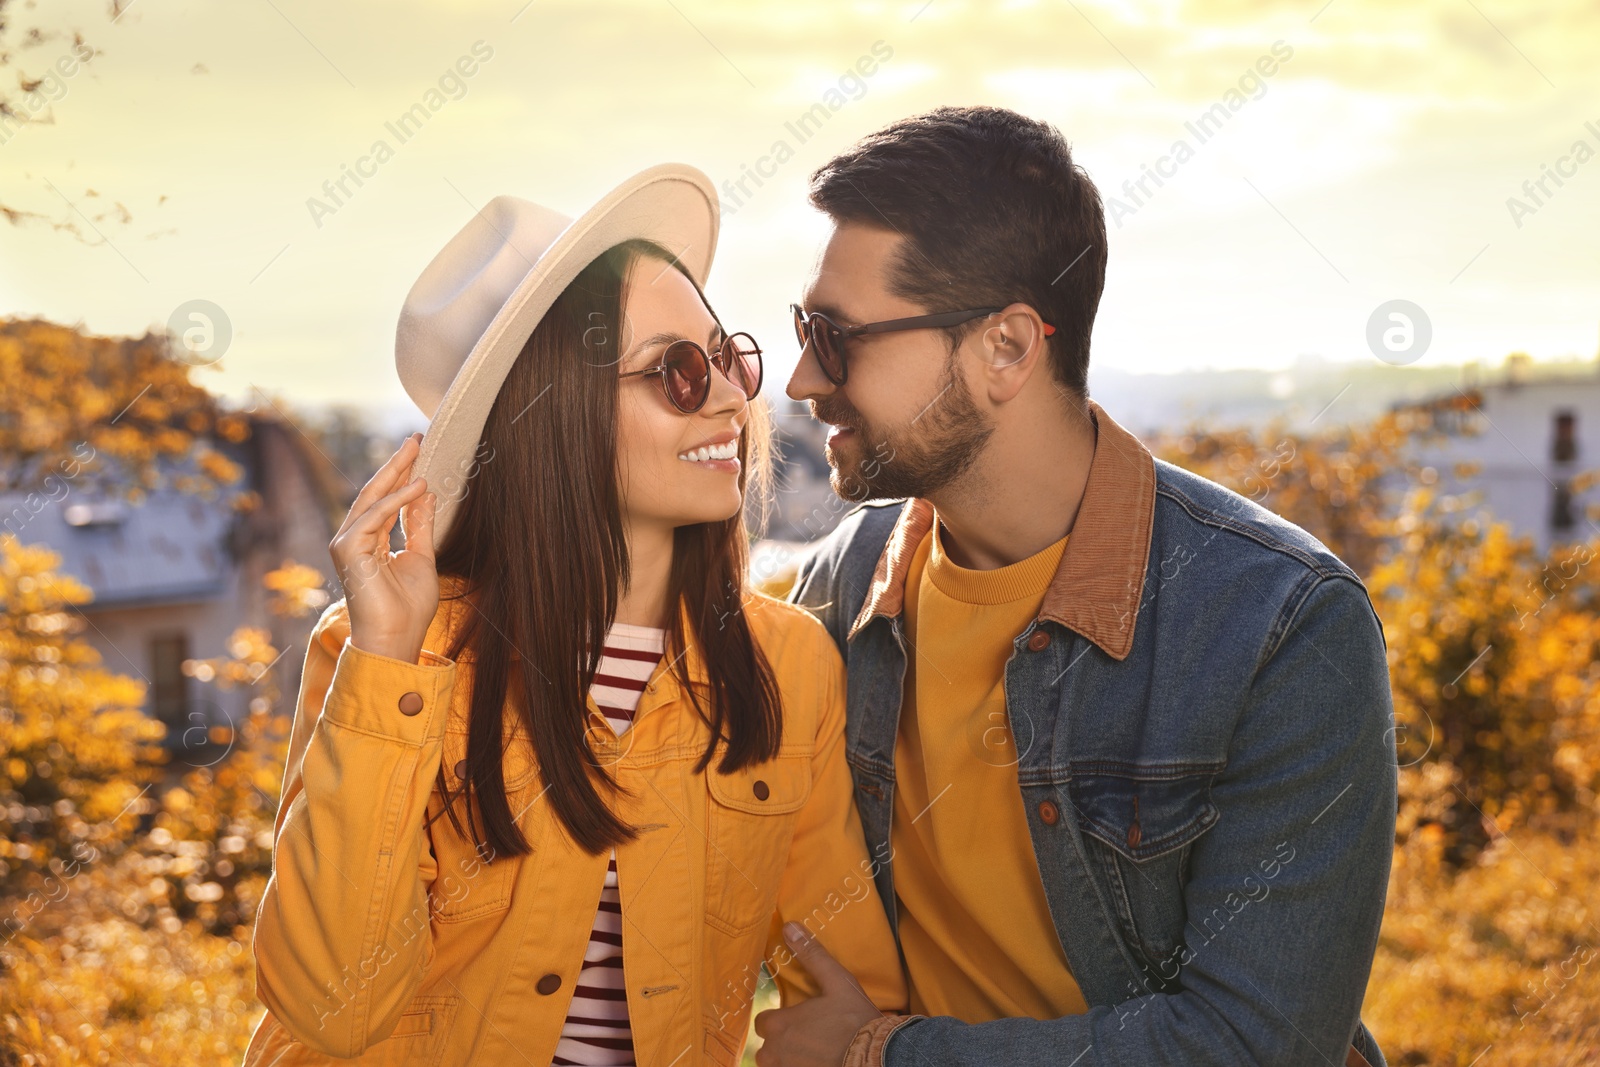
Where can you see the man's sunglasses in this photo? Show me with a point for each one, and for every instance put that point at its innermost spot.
(685, 370)
(827, 338)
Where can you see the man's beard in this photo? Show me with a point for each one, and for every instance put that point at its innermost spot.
(938, 446)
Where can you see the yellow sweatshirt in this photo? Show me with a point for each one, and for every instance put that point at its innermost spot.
(974, 924)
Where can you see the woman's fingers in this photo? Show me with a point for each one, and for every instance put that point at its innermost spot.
(418, 524)
(396, 468)
(367, 535)
(362, 552)
(378, 519)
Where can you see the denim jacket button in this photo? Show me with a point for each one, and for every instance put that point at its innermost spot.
(760, 790)
(461, 768)
(1039, 641)
(549, 984)
(1048, 812)
(410, 703)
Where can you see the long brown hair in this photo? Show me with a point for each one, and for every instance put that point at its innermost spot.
(541, 546)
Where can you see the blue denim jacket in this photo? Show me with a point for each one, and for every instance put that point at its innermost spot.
(1206, 751)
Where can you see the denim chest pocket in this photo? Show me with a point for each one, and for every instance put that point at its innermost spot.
(750, 818)
(473, 883)
(1140, 822)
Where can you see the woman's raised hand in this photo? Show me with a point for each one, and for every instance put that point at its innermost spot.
(391, 596)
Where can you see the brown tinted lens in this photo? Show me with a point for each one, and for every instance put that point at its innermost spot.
(742, 363)
(687, 375)
(828, 343)
(824, 343)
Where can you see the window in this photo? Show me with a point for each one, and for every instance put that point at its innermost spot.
(1564, 447)
(1561, 516)
(169, 688)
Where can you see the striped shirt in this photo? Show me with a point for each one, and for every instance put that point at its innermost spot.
(596, 1030)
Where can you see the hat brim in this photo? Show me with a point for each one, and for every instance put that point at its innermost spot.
(672, 204)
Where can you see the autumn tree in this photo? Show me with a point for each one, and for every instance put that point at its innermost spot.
(119, 415)
(76, 751)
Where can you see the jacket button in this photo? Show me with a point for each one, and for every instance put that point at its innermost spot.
(760, 789)
(461, 768)
(1048, 812)
(411, 703)
(1039, 641)
(1134, 835)
(549, 984)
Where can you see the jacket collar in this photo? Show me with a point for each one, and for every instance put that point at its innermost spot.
(1097, 587)
(694, 662)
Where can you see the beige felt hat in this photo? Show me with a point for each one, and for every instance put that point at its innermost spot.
(468, 316)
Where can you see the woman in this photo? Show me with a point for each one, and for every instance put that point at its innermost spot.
(554, 787)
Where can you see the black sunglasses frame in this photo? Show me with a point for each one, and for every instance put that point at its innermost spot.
(722, 361)
(803, 331)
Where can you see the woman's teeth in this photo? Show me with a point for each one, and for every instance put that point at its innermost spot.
(723, 451)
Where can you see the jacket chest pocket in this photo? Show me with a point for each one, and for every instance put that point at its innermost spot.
(750, 817)
(473, 882)
(1140, 824)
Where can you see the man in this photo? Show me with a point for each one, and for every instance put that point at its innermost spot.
(1121, 739)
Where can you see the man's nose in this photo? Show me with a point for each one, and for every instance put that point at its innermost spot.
(808, 382)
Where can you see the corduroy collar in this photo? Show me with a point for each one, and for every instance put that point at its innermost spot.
(1097, 587)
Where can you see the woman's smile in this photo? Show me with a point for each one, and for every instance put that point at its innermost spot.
(720, 453)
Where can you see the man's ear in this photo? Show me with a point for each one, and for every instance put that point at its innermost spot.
(1012, 348)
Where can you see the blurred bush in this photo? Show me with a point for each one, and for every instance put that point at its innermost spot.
(76, 752)
(124, 946)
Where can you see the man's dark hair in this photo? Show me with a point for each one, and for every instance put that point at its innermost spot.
(993, 211)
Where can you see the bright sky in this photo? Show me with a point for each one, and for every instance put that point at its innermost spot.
(1374, 163)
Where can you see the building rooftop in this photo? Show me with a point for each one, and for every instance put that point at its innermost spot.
(171, 548)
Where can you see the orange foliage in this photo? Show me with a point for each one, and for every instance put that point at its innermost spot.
(119, 412)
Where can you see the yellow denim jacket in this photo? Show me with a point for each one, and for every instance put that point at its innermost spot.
(385, 941)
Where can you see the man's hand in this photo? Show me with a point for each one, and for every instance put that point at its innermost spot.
(815, 1032)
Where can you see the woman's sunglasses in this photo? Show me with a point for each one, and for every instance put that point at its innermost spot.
(827, 338)
(685, 370)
